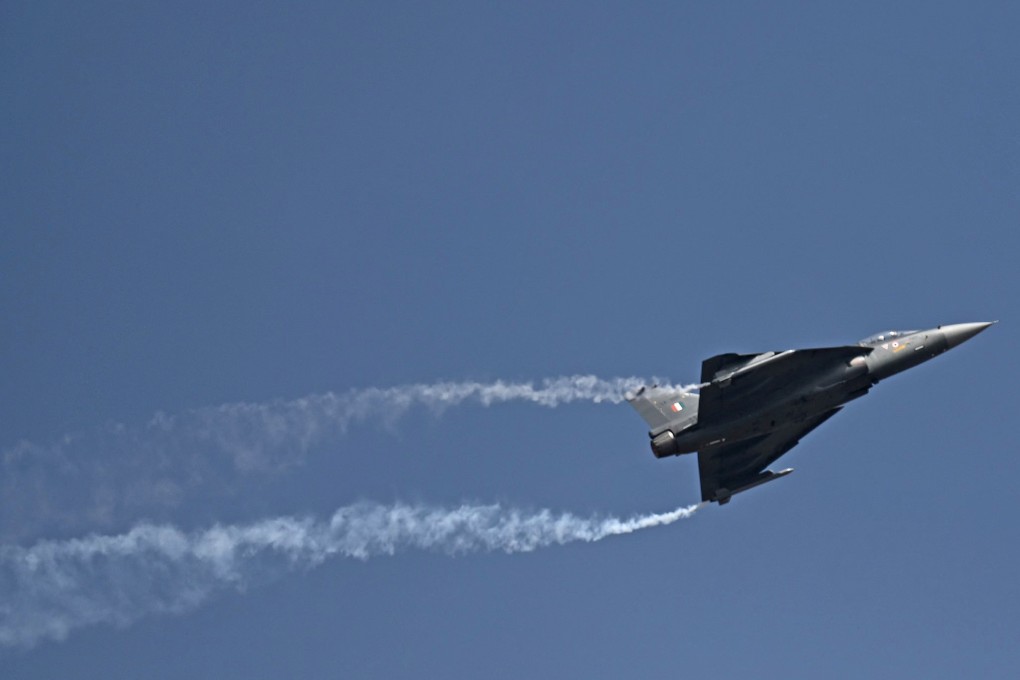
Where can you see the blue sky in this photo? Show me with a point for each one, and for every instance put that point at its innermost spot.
(252, 203)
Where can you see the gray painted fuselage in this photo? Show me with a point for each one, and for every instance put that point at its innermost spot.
(816, 389)
(750, 409)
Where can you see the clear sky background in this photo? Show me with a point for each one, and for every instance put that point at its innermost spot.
(213, 203)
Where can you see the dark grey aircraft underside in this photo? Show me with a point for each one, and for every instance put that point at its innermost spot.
(750, 409)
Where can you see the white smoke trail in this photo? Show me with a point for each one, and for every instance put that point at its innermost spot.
(92, 479)
(54, 587)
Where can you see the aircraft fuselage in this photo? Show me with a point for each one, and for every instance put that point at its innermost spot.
(771, 403)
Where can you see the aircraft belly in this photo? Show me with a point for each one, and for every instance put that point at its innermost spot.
(808, 404)
(739, 414)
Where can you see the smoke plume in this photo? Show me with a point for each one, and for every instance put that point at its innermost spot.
(100, 478)
(54, 587)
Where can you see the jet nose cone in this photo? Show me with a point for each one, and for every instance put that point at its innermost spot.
(958, 333)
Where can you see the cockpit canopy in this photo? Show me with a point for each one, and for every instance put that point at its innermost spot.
(884, 336)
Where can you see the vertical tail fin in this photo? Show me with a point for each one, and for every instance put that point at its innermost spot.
(659, 406)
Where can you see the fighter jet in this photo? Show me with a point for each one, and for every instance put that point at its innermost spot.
(750, 409)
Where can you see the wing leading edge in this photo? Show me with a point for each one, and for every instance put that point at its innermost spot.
(726, 469)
